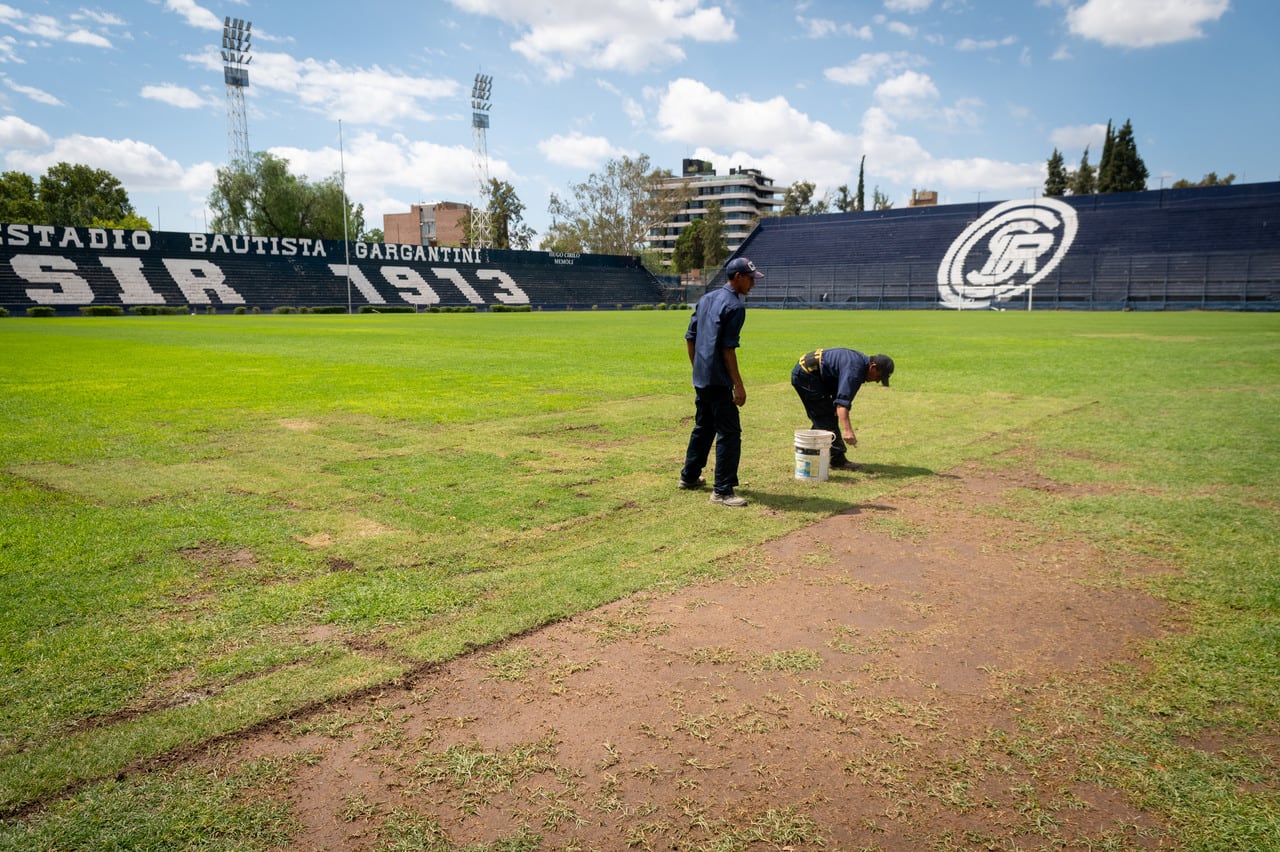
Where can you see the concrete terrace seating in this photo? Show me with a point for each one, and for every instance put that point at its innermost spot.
(70, 268)
(1214, 247)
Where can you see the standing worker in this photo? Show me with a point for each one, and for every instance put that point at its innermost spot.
(827, 380)
(712, 340)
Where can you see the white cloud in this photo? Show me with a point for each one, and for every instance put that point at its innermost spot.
(868, 66)
(967, 112)
(789, 145)
(105, 19)
(395, 172)
(1143, 23)
(195, 14)
(904, 160)
(18, 134)
(367, 95)
(968, 44)
(909, 93)
(816, 27)
(89, 39)
(178, 96)
(691, 112)
(899, 28)
(980, 173)
(619, 35)
(823, 27)
(46, 28)
(634, 111)
(138, 165)
(360, 95)
(40, 26)
(1021, 113)
(911, 7)
(578, 151)
(892, 154)
(40, 96)
(770, 135)
(631, 108)
(1075, 138)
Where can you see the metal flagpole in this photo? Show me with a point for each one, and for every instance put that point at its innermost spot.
(346, 238)
(1031, 288)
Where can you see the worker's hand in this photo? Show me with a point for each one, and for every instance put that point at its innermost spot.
(850, 438)
(739, 395)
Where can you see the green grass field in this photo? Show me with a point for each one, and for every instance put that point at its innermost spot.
(203, 520)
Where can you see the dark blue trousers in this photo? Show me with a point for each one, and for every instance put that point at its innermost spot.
(715, 421)
(821, 408)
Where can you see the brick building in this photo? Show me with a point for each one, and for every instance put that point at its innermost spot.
(439, 224)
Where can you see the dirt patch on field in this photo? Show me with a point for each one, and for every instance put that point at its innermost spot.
(902, 676)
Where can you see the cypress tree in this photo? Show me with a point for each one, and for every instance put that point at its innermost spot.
(714, 251)
(1106, 165)
(1129, 173)
(1055, 184)
(1084, 180)
(860, 202)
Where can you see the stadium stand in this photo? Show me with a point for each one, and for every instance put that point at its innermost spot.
(72, 268)
(1212, 248)
(1208, 248)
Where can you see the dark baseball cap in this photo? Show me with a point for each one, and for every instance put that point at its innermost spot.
(885, 363)
(741, 264)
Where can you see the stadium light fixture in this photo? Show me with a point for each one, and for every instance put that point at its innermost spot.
(237, 44)
(481, 219)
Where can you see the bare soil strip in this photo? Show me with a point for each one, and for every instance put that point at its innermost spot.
(900, 676)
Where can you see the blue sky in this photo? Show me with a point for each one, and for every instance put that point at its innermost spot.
(964, 97)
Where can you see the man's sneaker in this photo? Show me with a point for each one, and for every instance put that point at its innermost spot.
(729, 499)
(692, 485)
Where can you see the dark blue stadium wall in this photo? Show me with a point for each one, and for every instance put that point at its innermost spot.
(71, 268)
(1211, 247)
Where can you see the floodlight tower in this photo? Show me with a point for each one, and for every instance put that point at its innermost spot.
(236, 44)
(481, 221)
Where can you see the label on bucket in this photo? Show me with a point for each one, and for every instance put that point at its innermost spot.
(813, 453)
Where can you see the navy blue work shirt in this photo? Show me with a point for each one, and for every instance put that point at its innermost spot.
(843, 372)
(716, 324)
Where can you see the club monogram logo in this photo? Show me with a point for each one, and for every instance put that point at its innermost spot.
(1024, 242)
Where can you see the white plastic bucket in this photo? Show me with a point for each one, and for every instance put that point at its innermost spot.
(813, 453)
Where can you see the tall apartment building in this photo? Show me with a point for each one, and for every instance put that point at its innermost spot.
(438, 224)
(744, 196)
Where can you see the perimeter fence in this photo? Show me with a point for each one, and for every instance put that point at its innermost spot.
(1233, 281)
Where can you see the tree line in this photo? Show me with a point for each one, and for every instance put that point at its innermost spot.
(798, 199)
(612, 212)
(68, 195)
(1120, 169)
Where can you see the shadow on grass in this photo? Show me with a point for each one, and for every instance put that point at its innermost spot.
(897, 471)
(818, 504)
(829, 504)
